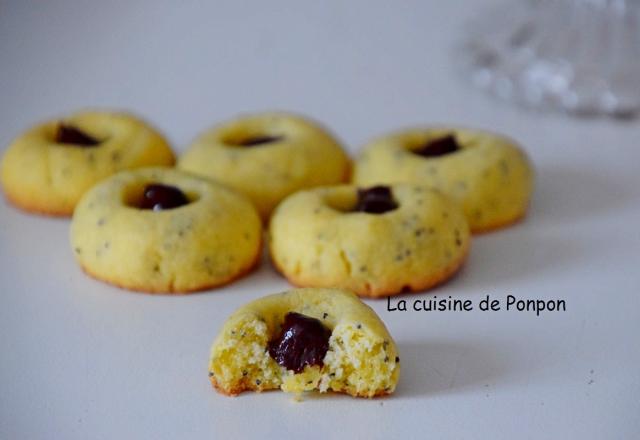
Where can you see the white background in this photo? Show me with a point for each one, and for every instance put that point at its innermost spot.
(81, 359)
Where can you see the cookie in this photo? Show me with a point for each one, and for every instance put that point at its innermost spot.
(488, 174)
(305, 340)
(267, 157)
(376, 241)
(49, 167)
(163, 230)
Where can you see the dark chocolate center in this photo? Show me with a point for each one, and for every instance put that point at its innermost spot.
(375, 200)
(258, 140)
(158, 197)
(68, 134)
(303, 341)
(439, 147)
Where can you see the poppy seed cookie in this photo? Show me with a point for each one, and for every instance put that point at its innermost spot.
(375, 241)
(268, 156)
(305, 340)
(162, 230)
(489, 175)
(49, 167)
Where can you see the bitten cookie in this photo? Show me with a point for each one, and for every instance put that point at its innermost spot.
(49, 167)
(163, 230)
(305, 340)
(267, 157)
(488, 174)
(375, 241)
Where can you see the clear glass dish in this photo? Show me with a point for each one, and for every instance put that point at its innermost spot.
(582, 56)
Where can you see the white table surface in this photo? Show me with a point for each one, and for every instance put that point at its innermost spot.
(81, 359)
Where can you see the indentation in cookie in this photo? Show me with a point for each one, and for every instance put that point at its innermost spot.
(375, 200)
(158, 197)
(438, 147)
(302, 341)
(253, 141)
(70, 135)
